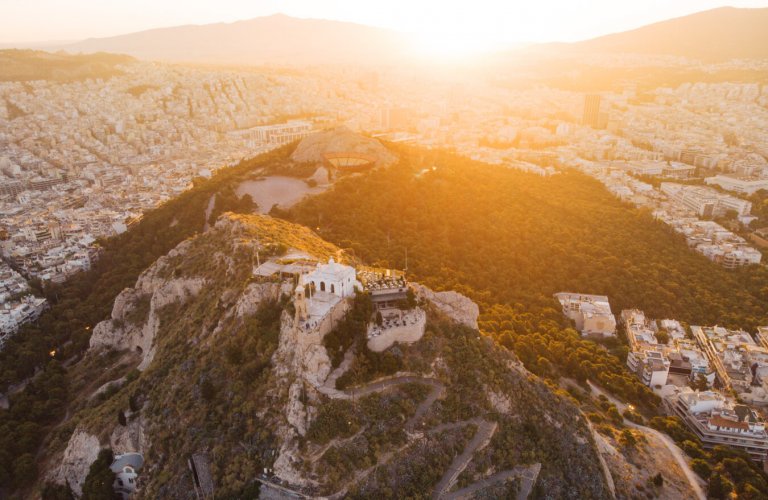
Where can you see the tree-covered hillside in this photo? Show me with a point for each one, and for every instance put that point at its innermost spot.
(28, 65)
(510, 240)
(81, 302)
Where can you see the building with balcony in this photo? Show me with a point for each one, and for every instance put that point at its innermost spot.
(718, 422)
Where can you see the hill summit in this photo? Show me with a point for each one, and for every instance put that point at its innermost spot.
(265, 358)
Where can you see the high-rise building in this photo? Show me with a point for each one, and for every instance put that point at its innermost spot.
(591, 110)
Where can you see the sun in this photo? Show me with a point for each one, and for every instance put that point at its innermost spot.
(450, 47)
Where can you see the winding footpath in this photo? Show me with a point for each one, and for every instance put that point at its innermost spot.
(483, 435)
(676, 452)
(527, 476)
(414, 427)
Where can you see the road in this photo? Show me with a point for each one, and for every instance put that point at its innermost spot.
(676, 452)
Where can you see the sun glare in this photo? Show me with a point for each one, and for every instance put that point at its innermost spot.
(450, 47)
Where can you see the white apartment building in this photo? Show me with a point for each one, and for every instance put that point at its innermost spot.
(705, 202)
(647, 357)
(591, 313)
(651, 366)
(717, 422)
(743, 185)
(279, 134)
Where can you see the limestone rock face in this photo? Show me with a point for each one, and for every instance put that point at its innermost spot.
(501, 402)
(321, 176)
(296, 414)
(317, 365)
(341, 140)
(134, 321)
(256, 293)
(453, 304)
(123, 331)
(82, 450)
(129, 438)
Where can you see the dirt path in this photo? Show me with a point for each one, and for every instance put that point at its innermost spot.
(482, 437)
(527, 475)
(693, 479)
(676, 452)
(485, 431)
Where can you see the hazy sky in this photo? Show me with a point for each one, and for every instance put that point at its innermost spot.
(500, 20)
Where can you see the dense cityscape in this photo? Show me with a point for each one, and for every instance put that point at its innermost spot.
(128, 144)
(340, 265)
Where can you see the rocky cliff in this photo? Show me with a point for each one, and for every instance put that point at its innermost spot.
(82, 450)
(453, 304)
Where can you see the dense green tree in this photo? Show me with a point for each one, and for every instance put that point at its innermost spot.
(24, 469)
(658, 480)
(700, 383)
(99, 482)
(701, 467)
(719, 487)
(628, 439)
(207, 389)
(52, 491)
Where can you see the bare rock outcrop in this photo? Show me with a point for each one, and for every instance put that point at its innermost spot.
(317, 364)
(82, 450)
(296, 414)
(256, 293)
(453, 304)
(134, 321)
(500, 402)
(129, 438)
(341, 140)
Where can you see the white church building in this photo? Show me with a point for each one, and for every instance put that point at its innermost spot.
(334, 278)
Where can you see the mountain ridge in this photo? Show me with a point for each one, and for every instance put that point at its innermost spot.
(711, 35)
(283, 39)
(279, 39)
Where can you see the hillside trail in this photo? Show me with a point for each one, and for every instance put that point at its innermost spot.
(414, 427)
(676, 452)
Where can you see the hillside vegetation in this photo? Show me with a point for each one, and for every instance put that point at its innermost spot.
(506, 239)
(216, 387)
(27, 65)
(509, 240)
(84, 300)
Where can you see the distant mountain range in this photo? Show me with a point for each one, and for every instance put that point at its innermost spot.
(718, 34)
(273, 39)
(713, 35)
